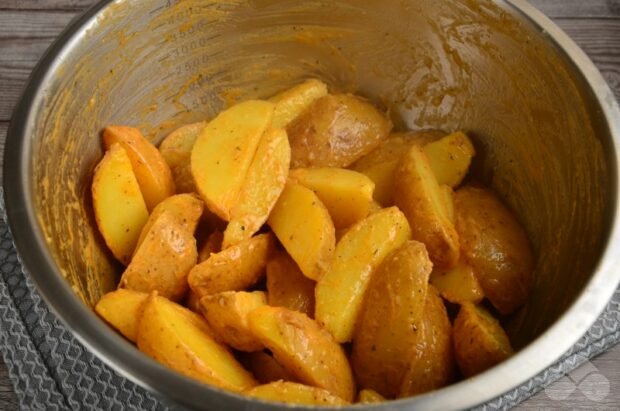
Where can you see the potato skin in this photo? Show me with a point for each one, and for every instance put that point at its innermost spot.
(367, 396)
(479, 340)
(450, 158)
(335, 131)
(265, 368)
(288, 287)
(176, 149)
(458, 284)
(389, 326)
(496, 246)
(294, 393)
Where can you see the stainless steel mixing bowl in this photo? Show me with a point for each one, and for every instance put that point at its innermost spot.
(545, 124)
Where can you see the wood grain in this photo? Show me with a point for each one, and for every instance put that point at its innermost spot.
(54, 5)
(578, 9)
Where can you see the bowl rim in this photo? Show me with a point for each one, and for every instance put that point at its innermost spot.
(125, 359)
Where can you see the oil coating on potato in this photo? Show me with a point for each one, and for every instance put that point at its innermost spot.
(458, 284)
(479, 340)
(291, 103)
(496, 246)
(450, 158)
(367, 396)
(294, 393)
(389, 326)
(176, 149)
(288, 287)
(304, 349)
(122, 309)
(335, 131)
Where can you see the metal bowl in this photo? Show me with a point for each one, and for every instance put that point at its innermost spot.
(545, 124)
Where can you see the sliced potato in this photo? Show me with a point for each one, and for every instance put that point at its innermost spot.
(335, 131)
(224, 150)
(304, 349)
(303, 225)
(192, 301)
(419, 196)
(448, 198)
(346, 194)
(294, 393)
(122, 309)
(390, 321)
(176, 149)
(458, 284)
(234, 269)
(288, 287)
(120, 210)
(479, 340)
(367, 396)
(340, 292)
(265, 368)
(291, 103)
(496, 246)
(227, 314)
(262, 186)
(180, 339)
(432, 365)
(150, 168)
(213, 245)
(450, 157)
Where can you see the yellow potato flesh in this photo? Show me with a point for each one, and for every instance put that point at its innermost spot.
(304, 227)
(291, 103)
(367, 396)
(152, 172)
(263, 185)
(346, 194)
(222, 154)
(176, 149)
(304, 349)
(293, 393)
(458, 284)
(288, 287)
(179, 339)
(340, 292)
(122, 309)
(450, 157)
(120, 210)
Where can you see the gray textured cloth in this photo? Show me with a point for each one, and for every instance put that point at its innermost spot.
(51, 370)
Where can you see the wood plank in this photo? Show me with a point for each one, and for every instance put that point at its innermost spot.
(46, 4)
(3, 130)
(8, 400)
(578, 8)
(33, 24)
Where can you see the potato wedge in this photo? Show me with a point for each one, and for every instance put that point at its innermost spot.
(122, 309)
(496, 246)
(265, 368)
(288, 287)
(120, 210)
(224, 150)
(335, 131)
(176, 149)
(179, 339)
(151, 170)
(213, 245)
(227, 314)
(432, 365)
(303, 225)
(419, 196)
(390, 321)
(369, 397)
(448, 198)
(346, 194)
(192, 301)
(304, 349)
(291, 103)
(479, 340)
(294, 393)
(234, 269)
(340, 292)
(450, 157)
(263, 185)
(458, 284)
(164, 259)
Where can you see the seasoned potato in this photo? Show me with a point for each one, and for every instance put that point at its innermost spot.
(458, 284)
(479, 340)
(262, 186)
(119, 207)
(450, 158)
(233, 269)
(213, 245)
(164, 259)
(421, 199)
(265, 368)
(288, 287)
(303, 225)
(346, 194)
(180, 339)
(294, 393)
(227, 314)
(496, 246)
(291, 103)
(122, 309)
(340, 292)
(448, 198)
(369, 397)
(152, 172)
(335, 131)
(389, 326)
(192, 301)
(176, 149)
(304, 349)
(432, 365)
(222, 154)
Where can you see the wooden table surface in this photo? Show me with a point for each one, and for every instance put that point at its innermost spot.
(27, 27)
